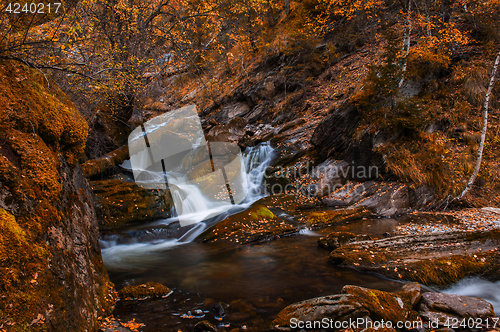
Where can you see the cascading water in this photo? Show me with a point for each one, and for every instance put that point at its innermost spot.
(195, 207)
(477, 287)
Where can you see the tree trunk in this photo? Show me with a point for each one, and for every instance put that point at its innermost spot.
(483, 132)
(287, 7)
(406, 43)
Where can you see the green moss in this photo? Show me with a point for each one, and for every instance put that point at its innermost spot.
(122, 203)
(107, 162)
(255, 224)
(148, 290)
(261, 213)
(39, 136)
(380, 304)
(328, 217)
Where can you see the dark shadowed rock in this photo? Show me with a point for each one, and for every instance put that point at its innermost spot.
(204, 326)
(233, 131)
(335, 240)
(383, 198)
(443, 307)
(334, 138)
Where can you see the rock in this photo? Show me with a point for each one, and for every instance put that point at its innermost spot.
(333, 138)
(386, 306)
(204, 326)
(100, 165)
(431, 259)
(445, 307)
(337, 307)
(329, 217)
(335, 240)
(219, 311)
(52, 274)
(491, 209)
(382, 198)
(255, 224)
(233, 131)
(149, 290)
(121, 203)
(379, 329)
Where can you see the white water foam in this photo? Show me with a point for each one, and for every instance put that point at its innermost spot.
(486, 290)
(195, 207)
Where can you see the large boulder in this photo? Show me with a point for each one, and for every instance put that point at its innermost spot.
(394, 307)
(52, 277)
(121, 203)
(339, 307)
(255, 224)
(449, 308)
(357, 305)
(431, 259)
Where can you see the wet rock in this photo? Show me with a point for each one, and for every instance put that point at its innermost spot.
(148, 290)
(219, 311)
(337, 307)
(335, 240)
(330, 217)
(204, 326)
(122, 203)
(431, 259)
(445, 307)
(255, 224)
(386, 306)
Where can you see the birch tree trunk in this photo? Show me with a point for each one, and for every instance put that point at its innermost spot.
(483, 132)
(406, 43)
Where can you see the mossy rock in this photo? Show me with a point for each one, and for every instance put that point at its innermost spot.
(435, 259)
(394, 307)
(149, 290)
(52, 277)
(330, 217)
(255, 224)
(121, 203)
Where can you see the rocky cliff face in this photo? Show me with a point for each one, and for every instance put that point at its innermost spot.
(52, 277)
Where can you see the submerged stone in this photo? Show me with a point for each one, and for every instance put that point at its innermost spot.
(149, 290)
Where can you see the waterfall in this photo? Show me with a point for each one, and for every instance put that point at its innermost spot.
(257, 159)
(195, 207)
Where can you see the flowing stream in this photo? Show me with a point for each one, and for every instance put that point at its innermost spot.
(135, 242)
(254, 281)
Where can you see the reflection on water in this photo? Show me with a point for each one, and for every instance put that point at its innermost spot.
(258, 280)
